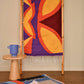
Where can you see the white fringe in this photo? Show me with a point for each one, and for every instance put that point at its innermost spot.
(42, 59)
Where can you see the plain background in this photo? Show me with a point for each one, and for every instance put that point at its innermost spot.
(73, 38)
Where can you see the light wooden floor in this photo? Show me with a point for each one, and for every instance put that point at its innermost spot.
(70, 77)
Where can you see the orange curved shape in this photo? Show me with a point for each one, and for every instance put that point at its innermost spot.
(28, 46)
(49, 39)
(42, 17)
(49, 6)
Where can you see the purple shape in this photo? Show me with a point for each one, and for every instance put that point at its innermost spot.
(25, 6)
(35, 18)
(43, 54)
(25, 35)
(37, 48)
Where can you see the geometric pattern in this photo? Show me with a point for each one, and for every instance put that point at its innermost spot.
(42, 27)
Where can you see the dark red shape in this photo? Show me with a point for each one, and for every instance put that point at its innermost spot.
(54, 22)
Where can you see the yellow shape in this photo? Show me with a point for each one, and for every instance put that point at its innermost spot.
(26, 1)
(49, 6)
(27, 40)
(51, 41)
(26, 23)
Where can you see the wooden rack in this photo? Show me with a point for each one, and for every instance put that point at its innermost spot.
(21, 34)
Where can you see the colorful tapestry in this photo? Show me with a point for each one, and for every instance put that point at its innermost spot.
(42, 27)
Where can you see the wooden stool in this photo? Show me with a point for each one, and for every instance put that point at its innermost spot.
(14, 70)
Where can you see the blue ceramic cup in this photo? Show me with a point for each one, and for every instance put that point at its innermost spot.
(13, 49)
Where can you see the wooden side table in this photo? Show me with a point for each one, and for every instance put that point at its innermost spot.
(14, 70)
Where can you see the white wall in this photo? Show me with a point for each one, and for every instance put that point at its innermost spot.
(73, 37)
(74, 34)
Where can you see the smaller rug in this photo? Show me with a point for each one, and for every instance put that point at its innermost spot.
(43, 79)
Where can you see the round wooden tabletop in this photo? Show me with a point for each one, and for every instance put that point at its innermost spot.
(9, 57)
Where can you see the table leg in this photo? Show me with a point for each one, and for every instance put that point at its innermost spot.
(14, 70)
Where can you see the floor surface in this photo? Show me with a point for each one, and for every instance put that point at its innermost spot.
(69, 77)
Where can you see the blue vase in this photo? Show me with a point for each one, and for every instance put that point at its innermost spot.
(13, 49)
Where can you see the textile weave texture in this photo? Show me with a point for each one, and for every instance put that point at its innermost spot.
(42, 29)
